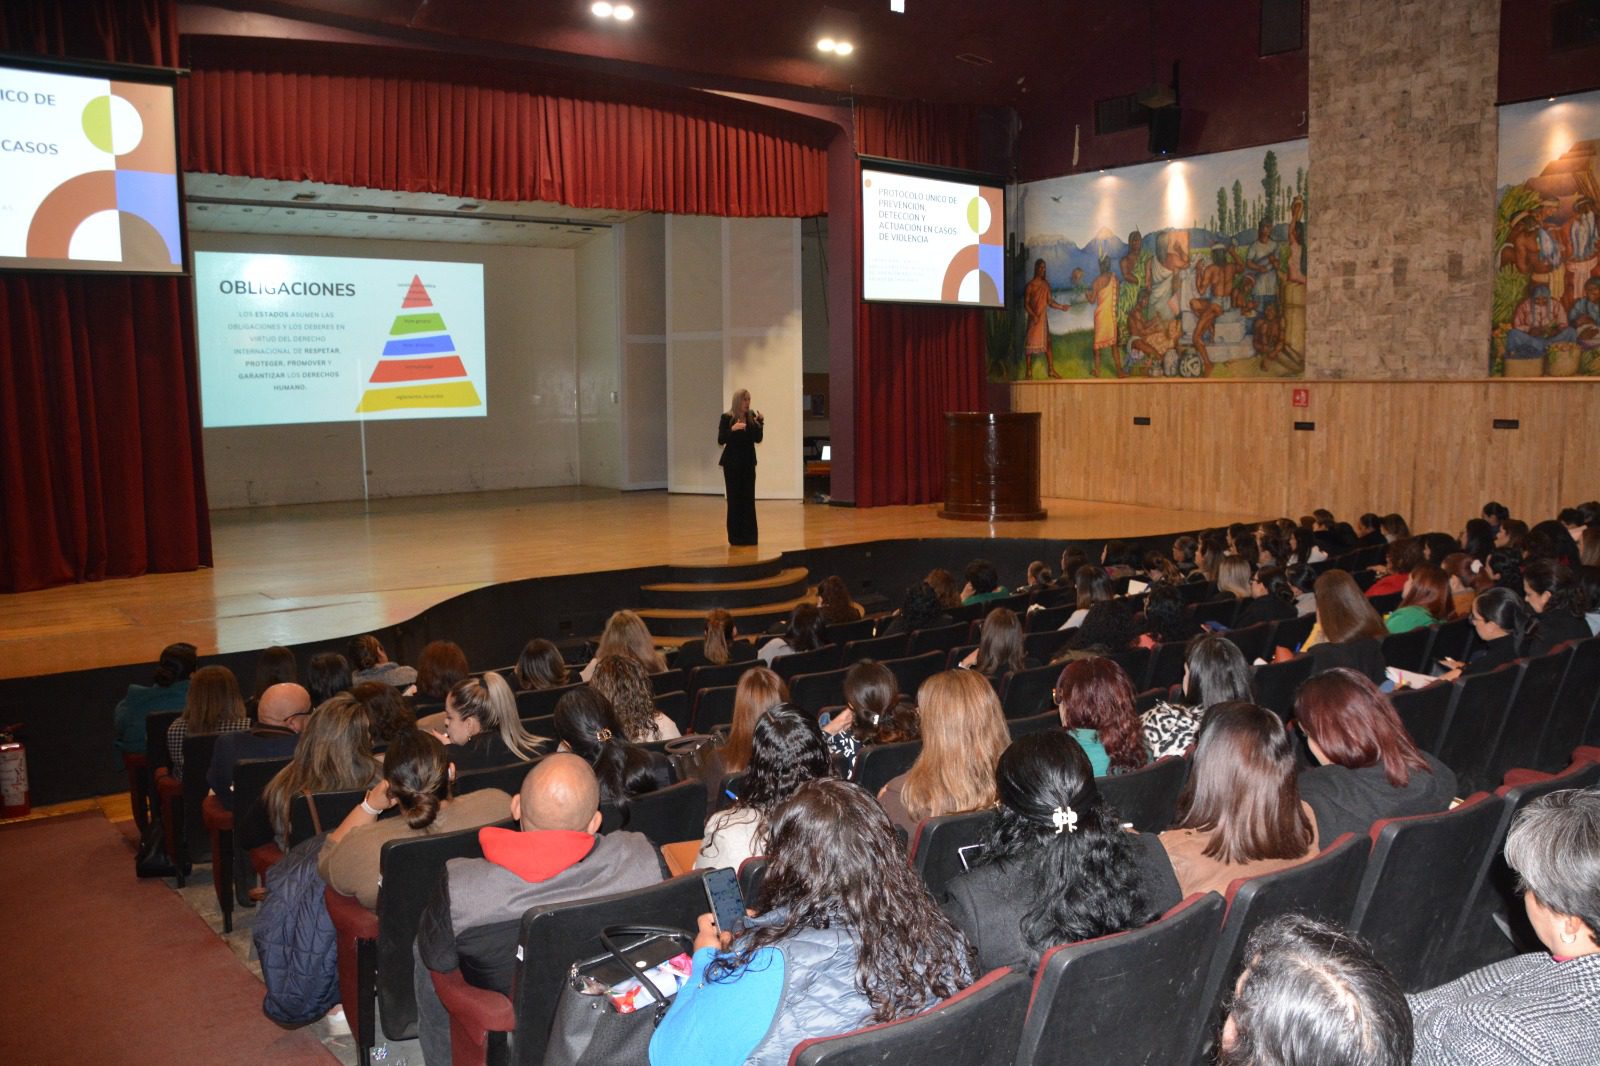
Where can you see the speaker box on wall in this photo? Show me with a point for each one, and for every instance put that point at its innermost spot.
(1164, 126)
(1282, 26)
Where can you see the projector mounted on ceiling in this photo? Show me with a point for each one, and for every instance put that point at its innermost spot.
(1155, 97)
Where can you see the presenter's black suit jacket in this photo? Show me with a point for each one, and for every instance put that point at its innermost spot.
(738, 446)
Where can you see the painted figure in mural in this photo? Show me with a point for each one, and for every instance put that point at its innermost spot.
(1584, 318)
(1133, 278)
(1104, 296)
(1550, 250)
(1154, 335)
(1294, 285)
(1581, 236)
(1522, 249)
(1539, 322)
(1267, 339)
(1261, 259)
(1036, 302)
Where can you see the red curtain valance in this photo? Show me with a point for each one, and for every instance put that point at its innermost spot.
(323, 114)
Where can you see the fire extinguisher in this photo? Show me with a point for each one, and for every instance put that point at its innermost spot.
(15, 798)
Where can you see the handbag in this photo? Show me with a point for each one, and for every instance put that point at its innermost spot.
(692, 756)
(151, 860)
(588, 1030)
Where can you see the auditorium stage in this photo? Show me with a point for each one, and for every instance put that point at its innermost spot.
(289, 575)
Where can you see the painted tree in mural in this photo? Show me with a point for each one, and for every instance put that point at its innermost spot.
(1222, 211)
(1269, 184)
(1238, 204)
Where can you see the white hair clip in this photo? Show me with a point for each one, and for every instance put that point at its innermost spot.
(1064, 819)
(1477, 564)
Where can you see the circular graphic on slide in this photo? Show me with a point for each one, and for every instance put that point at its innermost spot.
(978, 214)
(112, 124)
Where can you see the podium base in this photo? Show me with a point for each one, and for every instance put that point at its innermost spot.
(993, 516)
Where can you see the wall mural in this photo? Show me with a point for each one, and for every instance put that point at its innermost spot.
(1188, 268)
(1546, 318)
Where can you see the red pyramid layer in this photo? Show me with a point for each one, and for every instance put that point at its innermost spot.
(417, 295)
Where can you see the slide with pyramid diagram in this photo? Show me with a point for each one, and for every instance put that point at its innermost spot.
(288, 339)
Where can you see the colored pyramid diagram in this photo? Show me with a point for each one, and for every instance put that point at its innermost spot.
(421, 355)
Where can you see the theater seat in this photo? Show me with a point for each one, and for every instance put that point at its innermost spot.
(939, 844)
(1148, 796)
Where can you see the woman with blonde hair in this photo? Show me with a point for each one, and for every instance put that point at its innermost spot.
(721, 644)
(963, 734)
(1233, 576)
(213, 705)
(738, 432)
(481, 725)
(334, 754)
(621, 680)
(759, 691)
(625, 634)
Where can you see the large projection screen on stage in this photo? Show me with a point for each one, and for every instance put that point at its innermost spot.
(290, 339)
(932, 239)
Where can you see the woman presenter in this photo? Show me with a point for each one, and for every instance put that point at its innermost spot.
(739, 432)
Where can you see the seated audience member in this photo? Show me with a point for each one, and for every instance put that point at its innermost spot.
(541, 666)
(334, 754)
(168, 691)
(1424, 601)
(1057, 866)
(1393, 527)
(871, 696)
(1095, 700)
(327, 675)
(369, 661)
(212, 705)
(1109, 627)
(999, 650)
(1160, 570)
(1370, 535)
(834, 603)
(1467, 578)
(945, 584)
(1504, 569)
(1544, 1006)
(1477, 539)
(1166, 618)
(845, 935)
(1502, 622)
(586, 727)
(1072, 560)
(1331, 535)
(963, 734)
(721, 644)
(787, 751)
(1348, 631)
(1246, 548)
(1550, 540)
(440, 666)
(1303, 580)
(625, 635)
(1092, 585)
(1435, 546)
(276, 666)
(1368, 767)
(1233, 578)
(1214, 671)
(1557, 599)
(1240, 814)
(481, 727)
(416, 781)
(387, 713)
(1589, 546)
(1271, 599)
(1589, 577)
(759, 691)
(1183, 550)
(280, 715)
(921, 608)
(1118, 559)
(1400, 558)
(1039, 576)
(804, 632)
(1511, 534)
(555, 855)
(1311, 993)
(623, 681)
(982, 584)
(1496, 514)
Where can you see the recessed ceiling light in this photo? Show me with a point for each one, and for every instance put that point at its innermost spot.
(843, 48)
(826, 44)
(622, 12)
(601, 9)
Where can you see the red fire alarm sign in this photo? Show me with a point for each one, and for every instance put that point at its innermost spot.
(1302, 397)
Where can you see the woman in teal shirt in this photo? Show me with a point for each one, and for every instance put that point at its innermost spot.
(847, 936)
(1095, 700)
(1425, 600)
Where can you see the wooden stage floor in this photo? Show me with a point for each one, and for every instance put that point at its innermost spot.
(286, 575)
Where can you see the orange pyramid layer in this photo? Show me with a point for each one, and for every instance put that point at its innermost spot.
(417, 295)
(419, 369)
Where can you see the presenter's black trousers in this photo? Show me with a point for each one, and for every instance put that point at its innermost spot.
(740, 483)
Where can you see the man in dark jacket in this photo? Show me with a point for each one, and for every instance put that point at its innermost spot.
(473, 921)
(280, 715)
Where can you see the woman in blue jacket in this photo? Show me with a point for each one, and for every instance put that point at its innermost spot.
(846, 936)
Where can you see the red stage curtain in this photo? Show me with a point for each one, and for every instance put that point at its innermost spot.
(100, 461)
(913, 362)
(342, 115)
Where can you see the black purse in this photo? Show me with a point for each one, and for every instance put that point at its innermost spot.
(588, 1030)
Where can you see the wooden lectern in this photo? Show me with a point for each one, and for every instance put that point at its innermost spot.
(991, 467)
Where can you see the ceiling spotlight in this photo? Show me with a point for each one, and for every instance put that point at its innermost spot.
(601, 9)
(843, 48)
(622, 12)
(826, 44)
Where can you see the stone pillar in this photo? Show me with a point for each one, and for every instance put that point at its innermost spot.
(1403, 150)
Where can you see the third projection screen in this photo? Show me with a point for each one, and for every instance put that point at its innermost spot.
(294, 338)
(932, 240)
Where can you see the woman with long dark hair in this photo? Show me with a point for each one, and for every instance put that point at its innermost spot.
(1552, 591)
(834, 602)
(788, 750)
(999, 650)
(1271, 599)
(1057, 866)
(1368, 767)
(441, 664)
(416, 780)
(920, 608)
(1095, 700)
(1240, 813)
(586, 727)
(872, 701)
(623, 681)
(1502, 623)
(845, 935)
(804, 632)
(541, 666)
(1349, 632)
(1214, 671)
(1090, 585)
(1166, 618)
(327, 675)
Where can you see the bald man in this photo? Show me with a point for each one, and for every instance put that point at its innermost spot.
(473, 921)
(280, 715)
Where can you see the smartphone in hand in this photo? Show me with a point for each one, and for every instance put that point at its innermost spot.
(726, 898)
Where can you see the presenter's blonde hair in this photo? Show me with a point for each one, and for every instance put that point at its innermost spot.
(733, 404)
